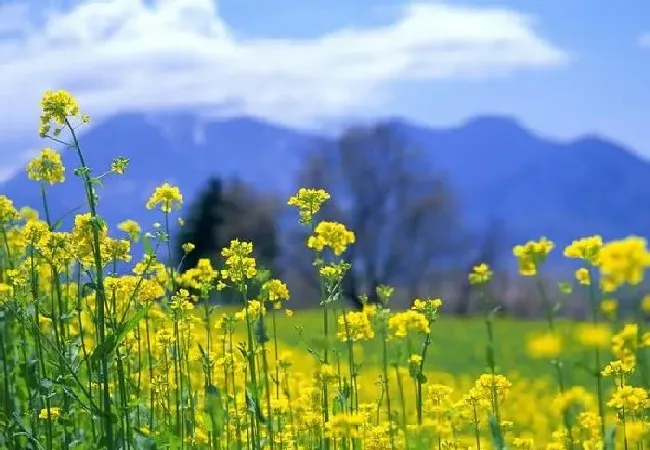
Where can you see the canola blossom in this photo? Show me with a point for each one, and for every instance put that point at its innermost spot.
(94, 359)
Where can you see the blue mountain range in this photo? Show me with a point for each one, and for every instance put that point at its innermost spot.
(497, 168)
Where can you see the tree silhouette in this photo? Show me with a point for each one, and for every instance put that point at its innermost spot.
(223, 212)
(203, 225)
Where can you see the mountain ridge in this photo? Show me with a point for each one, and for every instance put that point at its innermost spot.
(499, 169)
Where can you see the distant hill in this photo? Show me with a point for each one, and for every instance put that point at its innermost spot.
(498, 169)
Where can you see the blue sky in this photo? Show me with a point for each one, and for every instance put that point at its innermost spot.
(563, 68)
(605, 88)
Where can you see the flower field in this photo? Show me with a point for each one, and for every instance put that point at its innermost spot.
(94, 359)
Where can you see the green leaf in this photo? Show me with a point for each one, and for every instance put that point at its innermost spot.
(59, 222)
(147, 246)
(263, 275)
(253, 406)
(495, 431)
(113, 340)
(143, 442)
(610, 436)
(87, 288)
(337, 406)
(261, 336)
(204, 355)
(492, 314)
(215, 412)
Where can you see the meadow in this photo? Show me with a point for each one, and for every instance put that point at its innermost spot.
(93, 359)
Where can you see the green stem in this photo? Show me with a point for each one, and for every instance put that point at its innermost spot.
(420, 375)
(387, 389)
(100, 295)
(599, 378)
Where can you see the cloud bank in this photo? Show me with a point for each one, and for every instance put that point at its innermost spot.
(137, 55)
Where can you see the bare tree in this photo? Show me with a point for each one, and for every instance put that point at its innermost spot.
(401, 211)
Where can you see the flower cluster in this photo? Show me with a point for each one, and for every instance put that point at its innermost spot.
(532, 255)
(47, 167)
(333, 235)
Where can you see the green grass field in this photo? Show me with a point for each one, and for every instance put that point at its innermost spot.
(458, 345)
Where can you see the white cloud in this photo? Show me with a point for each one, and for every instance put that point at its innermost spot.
(644, 40)
(118, 55)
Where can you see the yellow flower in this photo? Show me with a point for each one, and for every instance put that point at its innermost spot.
(7, 210)
(523, 443)
(354, 326)
(593, 335)
(330, 234)
(429, 307)
(28, 214)
(239, 265)
(402, 323)
(56, 108)
(617, 369)
(481, 274)
(277, 292)
(119, 165)
(46, 167)
(586, 249)
(623, 262)
(583, 276)
(308, 202)
(414, 359)
(544, 345)
(132, 228)
(531, 255)
(636, 431)
(572, 397)
(188, 247)
(54, 413)
(252, 312)
(333, 273)
(6, 292)
(609, 306)
(625, 344)
(345, 425)
(645, 304)
(629, 398)
(167, 196)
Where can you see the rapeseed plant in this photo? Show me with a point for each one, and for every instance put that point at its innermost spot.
(96, 360)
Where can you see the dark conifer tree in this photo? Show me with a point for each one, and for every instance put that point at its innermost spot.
(203, 226)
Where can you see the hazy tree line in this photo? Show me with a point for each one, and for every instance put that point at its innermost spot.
(409, 232)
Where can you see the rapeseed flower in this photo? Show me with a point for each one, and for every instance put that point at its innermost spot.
(355, 326)
(544, 346)
(57, 107)
(308, 202)
(166, 196)
(403, 323)
(531, 255)
(330, 234)
(481, 274)
(586, 249)
(593, 335)
(47, 167)
(239, 265)
(623, 262)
